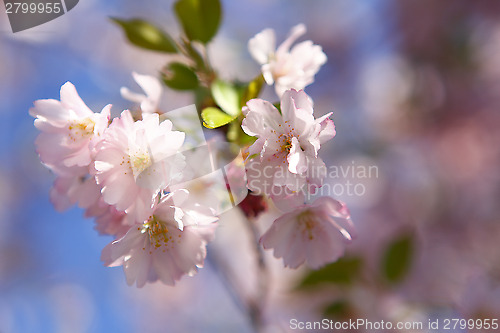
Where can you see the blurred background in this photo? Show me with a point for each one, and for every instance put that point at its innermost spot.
(415, 91)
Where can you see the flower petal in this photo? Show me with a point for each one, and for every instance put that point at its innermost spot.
(295, 33)
(262, 45)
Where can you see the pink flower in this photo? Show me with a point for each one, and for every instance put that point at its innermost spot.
(84, 191)
(152, 87)
(158, 249)
(315, 233)
(70, 131)
(109, 220)
(137, 160)
(286, 151)
(81, 190)
(286, 68)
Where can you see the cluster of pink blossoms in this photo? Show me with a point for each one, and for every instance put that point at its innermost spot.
(125, 172)
(284, 165)
(119, 172)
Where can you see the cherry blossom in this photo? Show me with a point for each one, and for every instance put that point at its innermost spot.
(109, 220)
(285, 153)
(137, 160)
(153, 89)
(84, 191)
(157, 249)
(81, 190)
(70, 131)
(286, 68)
(315, 233)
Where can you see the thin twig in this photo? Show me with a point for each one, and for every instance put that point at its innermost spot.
(253, 306)
(257, 305)
(229, 279)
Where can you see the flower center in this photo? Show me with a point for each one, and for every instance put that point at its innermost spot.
(140, 161)
(285, 143)
(307, 223)
(158, 233)
(284, 139)
(81, 129)
(281, 65)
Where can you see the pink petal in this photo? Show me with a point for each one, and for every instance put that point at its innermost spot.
(71, 100)
(270, 115)
(327, 130)
(287, 200)
(49, 110)
(262, 45)
(297, 160)
(295, 33)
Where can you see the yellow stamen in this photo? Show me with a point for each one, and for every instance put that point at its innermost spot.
(307, 223)
(81, 129)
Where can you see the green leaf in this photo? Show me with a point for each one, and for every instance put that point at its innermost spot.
(397, 259)
(253, 89)
(343, 272)
(214, 117)
(180, 77)
(202, 97)
(147, 36)
(200, 19)
(227, 97)
(235, 134)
